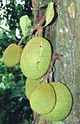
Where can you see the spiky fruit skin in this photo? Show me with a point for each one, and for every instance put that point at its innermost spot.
(42, 99)
(63, 103)
(12, 55)
(35, 58)
(30, 86)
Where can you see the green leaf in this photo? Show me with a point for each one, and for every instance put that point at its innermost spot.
(58, 122)
(25, 24)
(49, 13)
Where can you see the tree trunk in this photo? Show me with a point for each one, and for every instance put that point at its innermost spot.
(64, 35)
(68, 43)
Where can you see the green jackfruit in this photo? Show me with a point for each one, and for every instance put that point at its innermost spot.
(12, 55)
(35, 58)
(63, 103)
(42, 99)
(30, 86)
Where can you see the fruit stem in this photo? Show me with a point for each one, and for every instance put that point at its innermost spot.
(21, 40)
(48, 76)
(45, 122)
(35, 117)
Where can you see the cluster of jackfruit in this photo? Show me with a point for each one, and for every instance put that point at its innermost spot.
(52, 100)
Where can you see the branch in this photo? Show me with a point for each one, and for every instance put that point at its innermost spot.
(41, 119)
(20, 42)
(5, 29)
(55, 57)
(35, 118)
(35, 29)
(40, 24)
(43, 5)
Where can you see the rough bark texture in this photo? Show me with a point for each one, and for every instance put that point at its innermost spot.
(64, 34)
(68, 43)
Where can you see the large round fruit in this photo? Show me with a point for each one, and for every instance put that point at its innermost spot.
(42, 99)
(30, 86)
(36, 58)
(12, 55)
(63, 103)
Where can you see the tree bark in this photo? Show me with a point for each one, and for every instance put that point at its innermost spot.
(68, 43)
(64, 35)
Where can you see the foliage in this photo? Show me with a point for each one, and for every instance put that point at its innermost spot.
(13, 103)
(49, 13)
(25, 23)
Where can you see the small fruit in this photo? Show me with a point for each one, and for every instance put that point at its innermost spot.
(30, 86)
(35, 58)
(42, 99)
(12, 55)
(63, 103)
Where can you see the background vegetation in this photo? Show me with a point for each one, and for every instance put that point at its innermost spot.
(14, 107)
